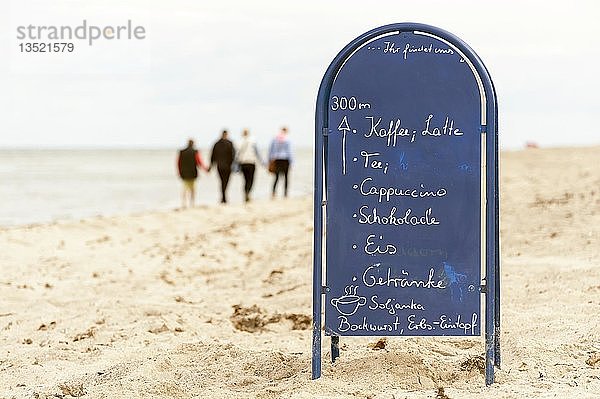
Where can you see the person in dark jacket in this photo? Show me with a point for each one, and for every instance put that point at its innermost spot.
(187, 163)
(223, 155)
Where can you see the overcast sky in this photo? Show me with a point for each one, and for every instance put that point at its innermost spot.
(209, 65)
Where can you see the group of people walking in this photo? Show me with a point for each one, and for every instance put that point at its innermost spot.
(228, 158)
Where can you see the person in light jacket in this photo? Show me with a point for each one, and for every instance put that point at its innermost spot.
(247, 157)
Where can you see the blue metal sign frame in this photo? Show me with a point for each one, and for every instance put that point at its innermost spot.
(491, 284)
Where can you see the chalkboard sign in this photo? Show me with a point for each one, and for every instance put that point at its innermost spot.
(401, 186)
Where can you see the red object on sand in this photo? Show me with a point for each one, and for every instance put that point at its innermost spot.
(531, 144)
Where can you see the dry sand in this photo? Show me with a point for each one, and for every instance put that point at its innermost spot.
(215, 302)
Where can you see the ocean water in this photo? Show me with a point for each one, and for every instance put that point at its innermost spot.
(47, 185)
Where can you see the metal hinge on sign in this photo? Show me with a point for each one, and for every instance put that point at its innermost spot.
(324, 202)
(482, 129)
(483, 289)
(324, 289)
(325, 131)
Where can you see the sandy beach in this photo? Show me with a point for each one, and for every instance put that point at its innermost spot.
(215, 302)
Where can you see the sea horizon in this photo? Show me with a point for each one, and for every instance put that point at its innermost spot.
(55, 184)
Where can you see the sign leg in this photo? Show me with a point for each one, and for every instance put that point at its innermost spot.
(335, 348)
(316, 316)
(497, 263)
(316, 352)
(497, 321)
(320, 150)
(489, 345)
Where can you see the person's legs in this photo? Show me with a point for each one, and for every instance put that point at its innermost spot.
(188, 190)
(275, 182)
(250, 180)
(281, 167)
(248, 171)
(224, 175)
(286, 167)
(193, 196)
(226, 183)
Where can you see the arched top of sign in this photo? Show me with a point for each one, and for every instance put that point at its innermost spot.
(475, 73)
(484, 82)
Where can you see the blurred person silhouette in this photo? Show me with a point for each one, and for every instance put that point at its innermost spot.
(188, 161)
(247, 157)
(223, 155)
(280, 159)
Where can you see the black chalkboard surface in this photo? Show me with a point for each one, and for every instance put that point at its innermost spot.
(404, 189)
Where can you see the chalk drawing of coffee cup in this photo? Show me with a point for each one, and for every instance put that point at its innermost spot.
(349, 303)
